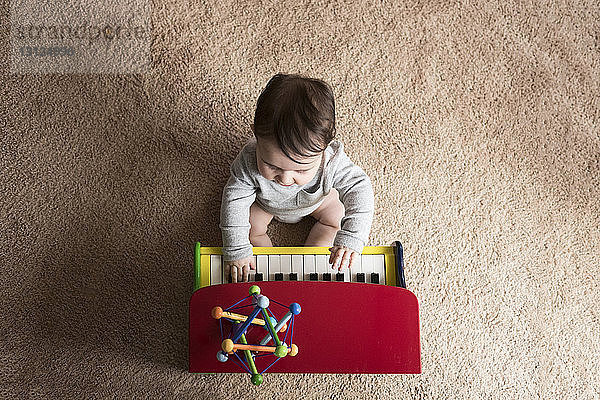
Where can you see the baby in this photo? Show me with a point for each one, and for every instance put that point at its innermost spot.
(293, 167)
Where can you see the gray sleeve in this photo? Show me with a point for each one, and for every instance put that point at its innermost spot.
(238, 195)
(356, 193)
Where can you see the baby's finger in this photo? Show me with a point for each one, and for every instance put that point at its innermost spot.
(352, 259)
(331, 254)
(334, 257)
(234, 274)
(252, 265)
(345, 259)
(245, 271)
(227, 272)
(337, 259)
(240, 273)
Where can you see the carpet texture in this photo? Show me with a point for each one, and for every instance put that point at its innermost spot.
(477, 122)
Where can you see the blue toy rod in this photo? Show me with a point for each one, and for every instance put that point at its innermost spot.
(240, 330)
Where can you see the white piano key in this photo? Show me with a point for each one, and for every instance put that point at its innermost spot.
(322, 266)
(262, 266)
(286, 265)
(357, 267)
(216, 270)
(379, 266)
(274, 266)
(252, 272)
(298, 266)
(309, 265)
(367, 266)
(347, 274)
(223, 277)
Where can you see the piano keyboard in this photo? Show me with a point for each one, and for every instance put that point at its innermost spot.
(368, 268)
(376, 265)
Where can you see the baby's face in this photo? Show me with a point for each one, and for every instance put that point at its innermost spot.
(276, 166)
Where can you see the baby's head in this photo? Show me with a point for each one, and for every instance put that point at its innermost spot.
(294, 123)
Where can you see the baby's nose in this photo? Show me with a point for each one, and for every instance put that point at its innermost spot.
(285, 182)
(285, 179)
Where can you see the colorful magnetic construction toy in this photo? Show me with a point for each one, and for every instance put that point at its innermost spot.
(240, 325)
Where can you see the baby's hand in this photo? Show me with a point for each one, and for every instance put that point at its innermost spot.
(239, 269)
(342, 256)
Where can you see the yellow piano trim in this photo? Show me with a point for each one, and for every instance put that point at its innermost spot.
(202, 259)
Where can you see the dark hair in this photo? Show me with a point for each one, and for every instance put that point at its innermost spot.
(297, 111)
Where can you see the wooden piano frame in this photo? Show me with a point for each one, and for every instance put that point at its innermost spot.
(344, 327)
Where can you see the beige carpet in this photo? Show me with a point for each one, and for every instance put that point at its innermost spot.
(479, 125)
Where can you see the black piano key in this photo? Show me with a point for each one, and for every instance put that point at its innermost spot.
(327, 276)
(229, 278)
(293, 276)
(258, 277)
(278, 276)
(374, 277)
(314, 276)
(339, 277)
(360, 277)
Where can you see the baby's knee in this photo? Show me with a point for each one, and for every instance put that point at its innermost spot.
(257, 228)
(333, 214)
(259, 221)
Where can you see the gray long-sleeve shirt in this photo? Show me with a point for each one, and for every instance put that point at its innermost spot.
(246, 185)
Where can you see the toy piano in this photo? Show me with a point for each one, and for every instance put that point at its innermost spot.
(297, 315)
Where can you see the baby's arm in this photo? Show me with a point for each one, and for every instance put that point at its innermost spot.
(356, 193)
(238, 195)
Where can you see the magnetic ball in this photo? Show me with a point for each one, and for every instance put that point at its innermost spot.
(257, 379)
(217, 312)
(295, 308)
(281, 351)
(222, 356)
(254, 290)
(227, 345)
(262, 301)
(293, 350)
